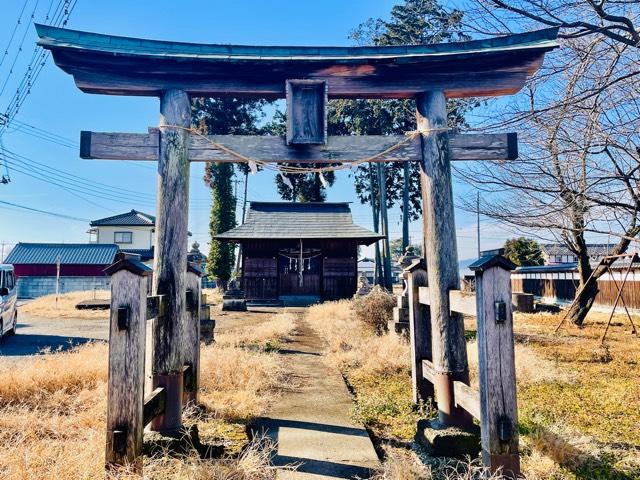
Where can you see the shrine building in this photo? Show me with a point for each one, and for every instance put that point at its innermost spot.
(299, 253)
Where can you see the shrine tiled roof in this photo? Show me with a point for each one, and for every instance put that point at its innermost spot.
(294, 220)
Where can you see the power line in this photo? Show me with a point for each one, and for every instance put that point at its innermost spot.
(45, 212)
(61, 16)
(15, 59)
(13, 33)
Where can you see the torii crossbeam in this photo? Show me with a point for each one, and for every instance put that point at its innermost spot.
(307, 77)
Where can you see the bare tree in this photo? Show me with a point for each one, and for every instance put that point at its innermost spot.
(578, 122)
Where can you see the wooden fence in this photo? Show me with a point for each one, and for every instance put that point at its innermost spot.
(494, 404)
(559, 285)
(132, 402)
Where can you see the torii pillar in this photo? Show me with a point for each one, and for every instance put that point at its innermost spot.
(170, 256)
(448, 343)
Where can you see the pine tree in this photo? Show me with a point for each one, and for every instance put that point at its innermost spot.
(524, 252)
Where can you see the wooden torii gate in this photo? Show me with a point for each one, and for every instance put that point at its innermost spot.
(307, 77)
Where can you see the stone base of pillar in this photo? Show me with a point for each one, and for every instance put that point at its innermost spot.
(181, 442)
(442, 441)
(206, 330)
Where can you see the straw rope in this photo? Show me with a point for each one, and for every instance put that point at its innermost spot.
(409, 136)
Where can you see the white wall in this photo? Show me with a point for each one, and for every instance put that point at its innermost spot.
(142, 237)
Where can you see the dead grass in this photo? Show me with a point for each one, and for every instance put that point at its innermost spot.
(578, 408)
(376, 367)
(415, 465)
(214, 296)
(66, 307)
(374, 310)
(52, 412)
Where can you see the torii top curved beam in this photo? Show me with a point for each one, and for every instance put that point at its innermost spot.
(130, 66)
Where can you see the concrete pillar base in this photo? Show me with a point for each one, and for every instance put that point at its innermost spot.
(443, 441)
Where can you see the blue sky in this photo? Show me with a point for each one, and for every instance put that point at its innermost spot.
(56, 105)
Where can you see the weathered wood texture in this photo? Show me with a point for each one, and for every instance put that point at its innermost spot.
(131, 66)
(170, 262)
(496, 370)
(459, 301)
(448, 346)
(126, 368)
(144, 147)
(467, 398)
(419, 336)
(306, 112)
(154, 405)
(192, 336)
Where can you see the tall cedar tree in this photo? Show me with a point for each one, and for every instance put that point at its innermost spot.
(416, 22)
(215, 116)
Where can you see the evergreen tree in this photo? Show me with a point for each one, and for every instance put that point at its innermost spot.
(415, 22)
(223, 116)
(221, 258)
(524, 252)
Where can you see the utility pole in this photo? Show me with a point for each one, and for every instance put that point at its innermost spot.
(405, 208)
(478, 220)
(384, 220)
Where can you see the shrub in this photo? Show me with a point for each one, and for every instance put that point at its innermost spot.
(375, 309)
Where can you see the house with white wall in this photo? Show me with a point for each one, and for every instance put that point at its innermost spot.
(132, 232)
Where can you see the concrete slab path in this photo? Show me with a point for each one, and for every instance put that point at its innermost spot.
(311, 424)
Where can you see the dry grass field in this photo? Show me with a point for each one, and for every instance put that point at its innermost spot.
(52, 410)
(47, 307)
(579, 404)
(65, 307)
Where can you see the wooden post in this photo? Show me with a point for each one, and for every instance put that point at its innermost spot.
(419, 332)
(126, 362)
(192, 333)
(384, 220)
(448, 345)
(496, 365)
(170, 263)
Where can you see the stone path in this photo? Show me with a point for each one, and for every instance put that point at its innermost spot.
(311, 424)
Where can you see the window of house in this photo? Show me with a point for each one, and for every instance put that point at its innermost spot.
(123, 237)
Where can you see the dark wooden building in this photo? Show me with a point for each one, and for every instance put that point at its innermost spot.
(299, 252)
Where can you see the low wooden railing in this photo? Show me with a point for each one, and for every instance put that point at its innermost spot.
(129, 410)
(494, 404)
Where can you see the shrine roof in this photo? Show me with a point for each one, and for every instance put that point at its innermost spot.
(132, 66)
(296, 220)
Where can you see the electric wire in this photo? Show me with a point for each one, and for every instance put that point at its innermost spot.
(13, 33)
(17, 55)
(44, 212)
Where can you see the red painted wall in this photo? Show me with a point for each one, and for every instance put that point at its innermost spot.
(38, 270)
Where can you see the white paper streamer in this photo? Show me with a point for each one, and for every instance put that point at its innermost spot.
(286, 181)
(323, 180)
(253, 167)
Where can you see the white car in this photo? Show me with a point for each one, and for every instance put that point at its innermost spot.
(8, 301)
